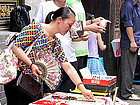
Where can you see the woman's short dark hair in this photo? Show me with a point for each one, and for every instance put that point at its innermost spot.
(63, 12)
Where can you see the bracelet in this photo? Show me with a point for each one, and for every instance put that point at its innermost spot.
(79, 84)
(31, 64)
(91, 21)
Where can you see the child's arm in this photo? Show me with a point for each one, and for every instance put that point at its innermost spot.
(100, 42)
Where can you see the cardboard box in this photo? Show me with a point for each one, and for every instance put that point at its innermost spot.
(100, 80)
(100, 83)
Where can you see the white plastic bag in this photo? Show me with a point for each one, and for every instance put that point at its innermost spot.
(116, 47)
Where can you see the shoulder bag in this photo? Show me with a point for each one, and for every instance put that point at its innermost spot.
(8, 62)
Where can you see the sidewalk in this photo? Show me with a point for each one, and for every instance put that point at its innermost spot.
(3, 100)
(136, 91)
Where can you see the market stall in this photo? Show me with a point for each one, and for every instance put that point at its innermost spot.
(60, 98)
(103, 88)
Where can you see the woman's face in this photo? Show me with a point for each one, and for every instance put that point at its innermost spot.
(61, 2)
(65, 25)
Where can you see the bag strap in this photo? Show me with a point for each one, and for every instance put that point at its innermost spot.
(27, 51)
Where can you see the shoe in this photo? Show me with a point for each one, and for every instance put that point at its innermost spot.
(134, 97)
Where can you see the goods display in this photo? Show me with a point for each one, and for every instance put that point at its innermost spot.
(60, 98)
(101, 83)
(118, 101)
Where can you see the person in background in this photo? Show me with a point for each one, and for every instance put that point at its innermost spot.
(129, 43)
(93, 62)
(81, 47)
(45, 7)
(60, 22)
(95, 39)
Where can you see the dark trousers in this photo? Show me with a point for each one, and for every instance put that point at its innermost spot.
(128, 66)
(67, 84)
(82, 62)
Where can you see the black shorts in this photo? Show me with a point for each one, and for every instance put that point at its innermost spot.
(67, 84)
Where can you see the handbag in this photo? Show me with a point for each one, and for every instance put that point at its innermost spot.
(29, 85)
(49, 66)
(8, 62)
(19, 17)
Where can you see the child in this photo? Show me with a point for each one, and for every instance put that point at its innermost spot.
(93, 62)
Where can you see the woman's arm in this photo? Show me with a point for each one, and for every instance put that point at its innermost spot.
(21, 55)
(100, 42)
(24, 58)
(69, 69)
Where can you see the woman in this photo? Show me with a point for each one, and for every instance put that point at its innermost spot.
(61, 22)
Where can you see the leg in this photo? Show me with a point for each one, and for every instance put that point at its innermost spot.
(128, 65)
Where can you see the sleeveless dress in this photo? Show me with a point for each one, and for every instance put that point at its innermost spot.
(93, 62)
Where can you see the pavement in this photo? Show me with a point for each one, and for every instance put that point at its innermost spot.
(136, 90)
(3, 100)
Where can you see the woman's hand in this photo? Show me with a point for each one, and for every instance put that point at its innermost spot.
(86, 93)
(104, 47)
(35, 70)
